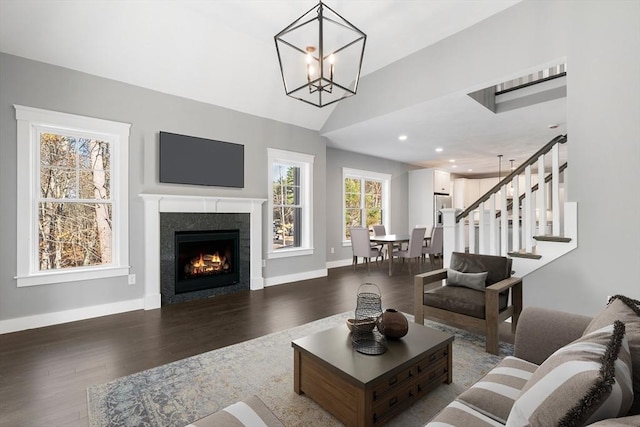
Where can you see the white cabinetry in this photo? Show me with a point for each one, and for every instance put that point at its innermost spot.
(487, 184)
(441, 182)
(465, 192)
(423, 185)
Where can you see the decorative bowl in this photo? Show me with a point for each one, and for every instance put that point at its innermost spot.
(365, 325)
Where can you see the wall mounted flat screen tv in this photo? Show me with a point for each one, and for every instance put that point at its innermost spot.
(199, 161)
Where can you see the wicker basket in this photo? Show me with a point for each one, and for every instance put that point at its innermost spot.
(364, 338)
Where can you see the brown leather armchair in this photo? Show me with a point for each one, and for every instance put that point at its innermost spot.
(482, 308)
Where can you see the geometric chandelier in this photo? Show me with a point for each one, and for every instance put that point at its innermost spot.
(320, 56)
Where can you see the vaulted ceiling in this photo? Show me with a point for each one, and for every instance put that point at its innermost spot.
(222, 52)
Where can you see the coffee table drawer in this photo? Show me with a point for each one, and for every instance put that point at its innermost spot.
(426, 364)
(394, 381)
(433, 377)
(393, 401)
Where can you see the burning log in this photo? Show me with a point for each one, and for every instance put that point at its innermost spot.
(206, 264)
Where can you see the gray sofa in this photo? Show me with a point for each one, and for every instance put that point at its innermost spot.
(567, 370)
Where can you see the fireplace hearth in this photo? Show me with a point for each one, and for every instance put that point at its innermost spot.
(206, 259)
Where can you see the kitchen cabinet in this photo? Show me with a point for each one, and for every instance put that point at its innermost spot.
(424, 184)
(465, 192)
(441, 182)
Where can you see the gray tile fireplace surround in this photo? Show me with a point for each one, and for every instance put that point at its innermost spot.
(171, 222)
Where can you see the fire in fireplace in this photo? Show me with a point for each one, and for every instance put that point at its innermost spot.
(206, 259)
(206, 264)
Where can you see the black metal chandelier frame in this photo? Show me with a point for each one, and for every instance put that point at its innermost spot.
(322, 83)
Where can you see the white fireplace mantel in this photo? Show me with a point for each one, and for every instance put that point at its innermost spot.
(156, 203)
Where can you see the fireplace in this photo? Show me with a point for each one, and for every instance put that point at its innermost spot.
(206, 259)
(203, 255)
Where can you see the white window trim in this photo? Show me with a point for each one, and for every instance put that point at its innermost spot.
(28, 121)
(385, 178)
(305, 162)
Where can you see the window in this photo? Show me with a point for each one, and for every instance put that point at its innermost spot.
(72, 197)
(290, 203)
(366, 199)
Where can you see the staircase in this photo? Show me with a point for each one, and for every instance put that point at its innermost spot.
(536, 225)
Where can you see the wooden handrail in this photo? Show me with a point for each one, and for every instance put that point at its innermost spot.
(547, 179)
(560, 139)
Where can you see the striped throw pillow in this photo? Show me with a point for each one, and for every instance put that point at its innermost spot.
(586, 381)
(251, 412)
(627, 311)
(495, 393)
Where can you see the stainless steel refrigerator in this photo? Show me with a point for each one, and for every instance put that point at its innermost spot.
(441, 202)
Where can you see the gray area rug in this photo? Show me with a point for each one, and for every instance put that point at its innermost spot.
(181, 392)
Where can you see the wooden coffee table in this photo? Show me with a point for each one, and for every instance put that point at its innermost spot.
(362, 390)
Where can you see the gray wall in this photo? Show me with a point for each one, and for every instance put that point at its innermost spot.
(603, 105)
(600, 40)
(338, 159)
(44, 86)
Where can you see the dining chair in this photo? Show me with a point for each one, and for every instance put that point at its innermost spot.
(428, 233)
(414, 249)
(434, 248)
(428, 229)
(361, 246)
(379, 230)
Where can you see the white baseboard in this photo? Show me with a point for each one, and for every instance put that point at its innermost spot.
(152, 302)
(339, 263)
(279, 280)
(56, 318)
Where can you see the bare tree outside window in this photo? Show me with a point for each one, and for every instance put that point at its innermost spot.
(287, 209)
(363, 203)
(75, 206)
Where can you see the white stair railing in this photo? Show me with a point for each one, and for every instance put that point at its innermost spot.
(505, 220)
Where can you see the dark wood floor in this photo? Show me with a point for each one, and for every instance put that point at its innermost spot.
(44, 373)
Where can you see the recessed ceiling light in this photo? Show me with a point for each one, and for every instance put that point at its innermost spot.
(454, 166)
(469, 170)
(452, 160)
(439, 150)
(402, 137)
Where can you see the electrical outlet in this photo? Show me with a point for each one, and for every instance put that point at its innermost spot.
(264, 262)
(132, 279)
(333, 250)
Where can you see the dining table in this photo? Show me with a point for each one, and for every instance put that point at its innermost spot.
(390, 240)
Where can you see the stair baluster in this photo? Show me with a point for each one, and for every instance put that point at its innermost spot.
(513, 224)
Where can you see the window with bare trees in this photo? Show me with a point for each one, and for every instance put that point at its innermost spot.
(366, 199)
(290, 203)
(72, 192)
(74, 207)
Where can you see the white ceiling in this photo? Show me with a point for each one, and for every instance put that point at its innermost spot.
(222, 52)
